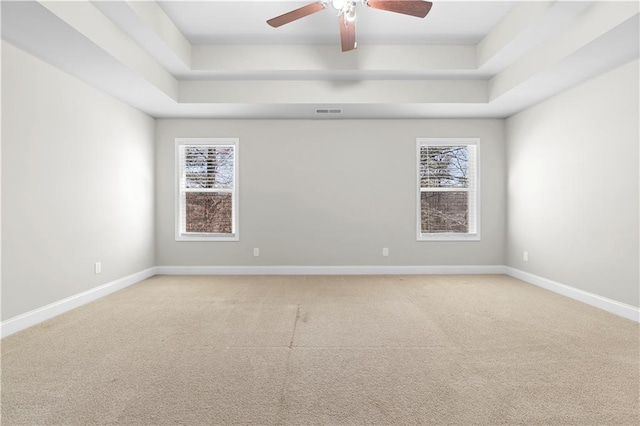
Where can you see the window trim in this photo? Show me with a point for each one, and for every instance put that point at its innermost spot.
(451, 236)
(235, 236)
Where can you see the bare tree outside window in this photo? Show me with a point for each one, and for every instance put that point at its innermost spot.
(208, 212)
(444, 189)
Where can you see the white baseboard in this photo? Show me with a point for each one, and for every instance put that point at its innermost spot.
(20, 322)
(609, 305)
(28, 319)
(329, 270)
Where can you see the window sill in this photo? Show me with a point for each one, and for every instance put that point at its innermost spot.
(204, 237)
(448, 237)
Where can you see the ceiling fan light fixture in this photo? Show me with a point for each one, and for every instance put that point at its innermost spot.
(338, 4)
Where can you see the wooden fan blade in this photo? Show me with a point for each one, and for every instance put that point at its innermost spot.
(347, 34)
(418, 8)
(295, 14)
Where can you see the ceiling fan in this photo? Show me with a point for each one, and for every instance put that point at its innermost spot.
(346, 10)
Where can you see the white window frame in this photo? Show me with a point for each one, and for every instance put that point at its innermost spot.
(179, 200)
(473, 192)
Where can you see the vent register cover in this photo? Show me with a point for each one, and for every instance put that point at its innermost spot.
(328, 110)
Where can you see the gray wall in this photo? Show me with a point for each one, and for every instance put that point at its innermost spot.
(573, 187)
(335, 192)
(77, 185)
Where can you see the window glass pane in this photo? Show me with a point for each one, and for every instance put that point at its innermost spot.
(208, 212)
(208, 167)
(443, 167)
(444, 212)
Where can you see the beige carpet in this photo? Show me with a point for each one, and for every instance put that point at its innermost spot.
(325, 350)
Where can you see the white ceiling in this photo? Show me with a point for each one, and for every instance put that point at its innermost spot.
(219, 59)
(244, 22)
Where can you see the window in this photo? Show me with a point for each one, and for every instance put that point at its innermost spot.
(448, 202)
(207, 189)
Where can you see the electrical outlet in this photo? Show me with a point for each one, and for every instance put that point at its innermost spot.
(98, 267)
(256, 252)
(525, 256)
(385, 251)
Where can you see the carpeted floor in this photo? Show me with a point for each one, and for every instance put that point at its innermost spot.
(336, 350)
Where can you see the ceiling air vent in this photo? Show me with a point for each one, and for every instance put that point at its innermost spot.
(328, 110)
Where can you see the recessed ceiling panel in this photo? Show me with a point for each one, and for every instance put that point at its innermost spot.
(244, 22)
